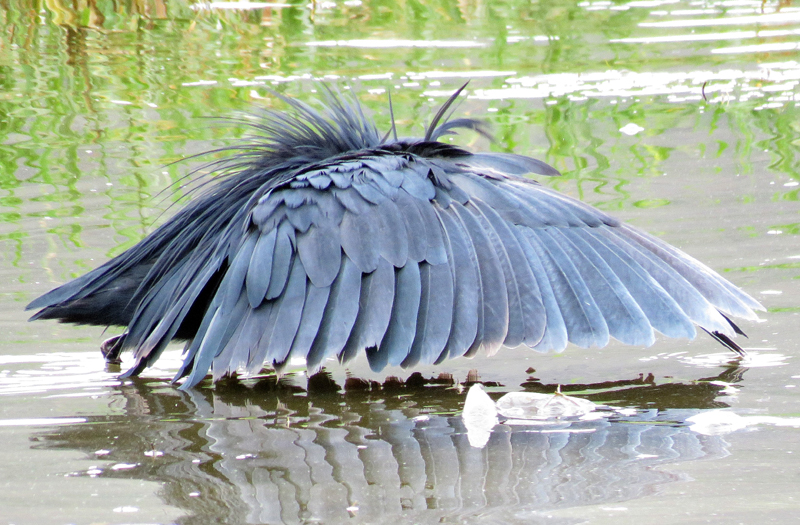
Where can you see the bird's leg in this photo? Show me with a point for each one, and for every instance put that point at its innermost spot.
(112, 347)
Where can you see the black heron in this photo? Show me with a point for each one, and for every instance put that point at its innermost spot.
(324, 238)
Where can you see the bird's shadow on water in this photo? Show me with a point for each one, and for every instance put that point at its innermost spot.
(270, 451)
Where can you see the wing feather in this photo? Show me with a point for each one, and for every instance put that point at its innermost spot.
(287, 311)
(302, 217)
(435, 252)
(260, 268)
(402, 326)
(393, 238)
(340, 315)
(221, 318)
(515, 328)
(370, 191)
(525, 304)
(417, 184)
(555, 335)
(360, 240)
(585, 323)
(691, 301)
(320, 250)
(714, 288)
(508, 163)
(156, 338)
(216, 329)
(281, 260)
(467, 297)
(415, 226)
(351, 200)
(513, 203)
(576, 212)
(313, 310)
(435, 314)
(625, 320)
(328, 240)
(495, 297)
(663, 313)
(374, 311)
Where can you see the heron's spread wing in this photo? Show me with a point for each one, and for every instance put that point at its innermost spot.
(415, 260)
(323, 240)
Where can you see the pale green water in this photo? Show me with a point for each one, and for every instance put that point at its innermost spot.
(97, 102)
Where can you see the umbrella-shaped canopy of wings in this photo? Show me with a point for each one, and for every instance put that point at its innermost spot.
(323, 238)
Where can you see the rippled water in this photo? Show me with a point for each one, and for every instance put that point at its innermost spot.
(680, 117)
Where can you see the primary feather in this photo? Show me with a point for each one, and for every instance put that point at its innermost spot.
(323, 238)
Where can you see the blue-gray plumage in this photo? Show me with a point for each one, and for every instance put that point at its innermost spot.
(392, 233)
(375, 310)
(322, 238)
(555, 331)
(313, 310)
(399, 336)
(464, 273)
(526, 319)
(435, 314)
(493, 303)
(340, 314)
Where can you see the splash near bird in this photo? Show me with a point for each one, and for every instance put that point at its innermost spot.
(324, 238)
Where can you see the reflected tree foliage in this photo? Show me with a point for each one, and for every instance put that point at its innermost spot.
(101, 96)
(269, 451)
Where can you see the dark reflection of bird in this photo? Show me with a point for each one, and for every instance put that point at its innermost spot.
(324, 239)
(272, 453)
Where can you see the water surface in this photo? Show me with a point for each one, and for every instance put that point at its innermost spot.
(677, 116)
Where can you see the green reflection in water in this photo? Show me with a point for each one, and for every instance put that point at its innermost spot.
(650, 203)
(99, 96)
(781, 266)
